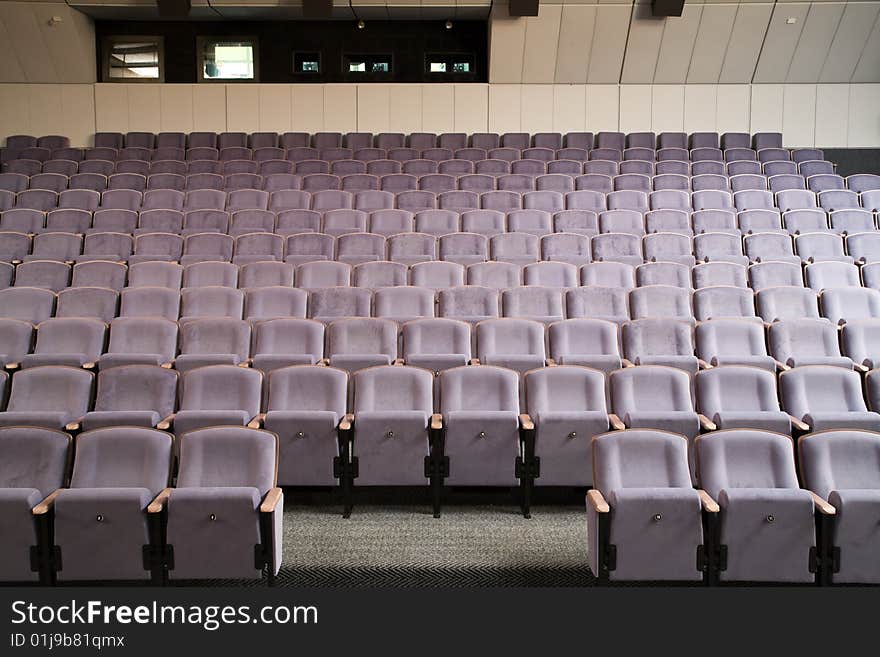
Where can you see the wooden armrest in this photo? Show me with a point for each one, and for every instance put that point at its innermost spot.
(159, 501)
(782, 366)
(797, 424)
(166, 424)
(90, 366)
(398, 362)
(596, 500)
(43, 507)
(167, 366)
(11, 367)
(823, 506)
(615, 422)
(347, 422)
(474, 361)
(706, 424)
(626, 363)
(437, 421)
(325, 362)
(704, 365)
(863, 369)
(708, 503)
(271, 500)
(550, 362)
(526, 422)
(73, 426)
(257, 422)
(245, 363)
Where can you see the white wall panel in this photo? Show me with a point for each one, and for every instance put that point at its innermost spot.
(438, 108)
(575, 42)
(275, 108)
(677, 46)
(603, 105)
(471, 108)
(766, 110)
(176, 103)
(733, 108)
(209, 107)
(609, 43)
(45, 109)
(340, 108)
(541, 44)
(832, 115)
(373, 108)
(506, 43)
(716, 25)
(799, 115)
(642, 46)
(700, 108)
(111, 107)
(144, 108)
(536, 108)
(242, 108)
(307, 107)
(405, 108)
(78, 109)
(864, 115)
(504, 108)
(744, 45)
(569, 108)
(635, 107)
(667, 108)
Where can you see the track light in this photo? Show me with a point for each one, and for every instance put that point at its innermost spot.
(448, 25)
(361, 25)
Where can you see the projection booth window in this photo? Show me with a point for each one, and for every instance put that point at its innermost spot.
(133, 59)
(228, 59)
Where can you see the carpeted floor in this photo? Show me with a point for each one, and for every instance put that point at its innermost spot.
(406, 546)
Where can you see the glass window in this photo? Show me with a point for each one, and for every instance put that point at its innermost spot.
(450, 63)
(227, 59)
(133, 59)
(307, 62)
(369, 64)
(437, 67)
(357, 67)
(461, 67)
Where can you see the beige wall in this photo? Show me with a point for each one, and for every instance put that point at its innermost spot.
(808, 114)
(751, 41)
(35, 51)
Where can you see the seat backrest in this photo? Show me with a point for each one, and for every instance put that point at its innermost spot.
(436, 336)
(222, 387)
(507, 336)
(33, 457)
(650, 388)
(143, 335)
(745, 458)
(340, 302)
(840, 460)
(564, 389)
(71, 335)
(362, 335)
(799, 338)
(821, 389)
(289, 336)
(657, 337)
(583, 336)
(218, 335)
(640, 458)
(736, 388)
(122, 457)
(483, 388)
(228, 456)
(51, 388)
(308, 388)
(729, 337)
(391, 388)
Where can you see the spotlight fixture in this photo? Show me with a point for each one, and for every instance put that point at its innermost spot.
(361, 25)
(448, 25)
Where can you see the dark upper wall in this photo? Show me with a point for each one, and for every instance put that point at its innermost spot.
(407, 41)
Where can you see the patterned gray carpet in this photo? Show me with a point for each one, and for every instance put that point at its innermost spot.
(470, 546)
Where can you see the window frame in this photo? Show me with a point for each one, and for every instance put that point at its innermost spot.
(450, 59)
(369, 60)
(313, 53)
(202, 41)
(109, 42)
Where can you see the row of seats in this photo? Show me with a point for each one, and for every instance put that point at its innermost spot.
(368, 200)
(113, 514)
(114, 518)
(434, 182)
(390, 407)
(268, 341)
(749, 521)
(418, 140)
(530, 242)
(279, 174)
